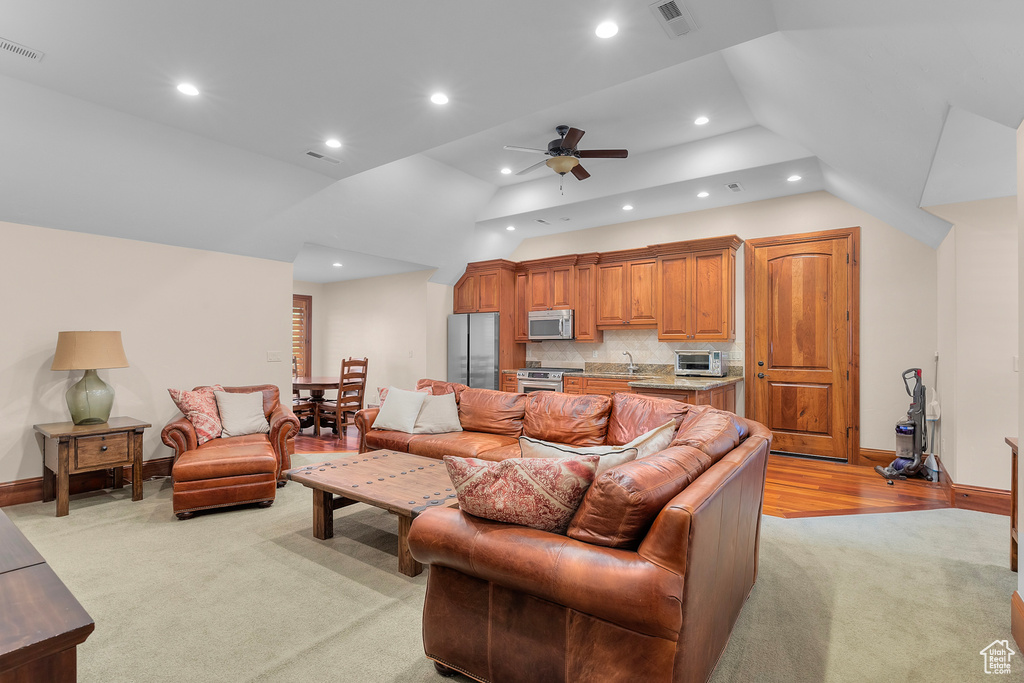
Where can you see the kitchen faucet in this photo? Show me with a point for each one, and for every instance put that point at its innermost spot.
(632, 367)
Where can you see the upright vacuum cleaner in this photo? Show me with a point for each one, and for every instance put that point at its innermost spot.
(911, 435)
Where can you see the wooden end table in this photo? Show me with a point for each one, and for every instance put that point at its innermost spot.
(69, 449)
(403, 484)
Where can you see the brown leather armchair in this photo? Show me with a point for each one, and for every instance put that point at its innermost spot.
(506, 603)
(232, 470)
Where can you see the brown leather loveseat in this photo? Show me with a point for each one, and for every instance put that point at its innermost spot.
(234, 470)
(648, 581)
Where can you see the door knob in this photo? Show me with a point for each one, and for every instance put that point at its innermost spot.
(760, 375)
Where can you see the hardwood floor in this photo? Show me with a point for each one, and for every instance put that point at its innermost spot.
(801, 487)
(795, 487)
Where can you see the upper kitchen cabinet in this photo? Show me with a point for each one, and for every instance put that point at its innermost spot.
(585, 317)
(626, 286)
(696, 289)
(479, 289)
(550, 283)
(522, 306)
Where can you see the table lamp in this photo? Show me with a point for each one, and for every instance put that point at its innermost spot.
(91, 399)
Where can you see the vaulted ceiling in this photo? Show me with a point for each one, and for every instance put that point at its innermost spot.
(889, 106)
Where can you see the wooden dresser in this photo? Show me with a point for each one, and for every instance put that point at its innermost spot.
(41, 622)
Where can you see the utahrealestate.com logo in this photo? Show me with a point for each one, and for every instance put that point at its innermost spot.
(997, 657)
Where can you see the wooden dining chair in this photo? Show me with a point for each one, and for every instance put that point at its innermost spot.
(341, 413)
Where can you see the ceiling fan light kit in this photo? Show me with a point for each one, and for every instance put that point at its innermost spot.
(562, 165)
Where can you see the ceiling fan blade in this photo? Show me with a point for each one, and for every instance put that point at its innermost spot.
(526, 149)
(532, 168)
(580, 172)
(602, 153)
(572, 138)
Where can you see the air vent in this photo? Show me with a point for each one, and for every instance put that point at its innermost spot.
(734, 187)
(541, 221)
(322, 157)
(673, 17)
(20, 50)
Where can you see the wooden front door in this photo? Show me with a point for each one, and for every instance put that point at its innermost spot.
(802, 294)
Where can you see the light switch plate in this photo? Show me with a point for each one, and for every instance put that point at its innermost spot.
(273, 356)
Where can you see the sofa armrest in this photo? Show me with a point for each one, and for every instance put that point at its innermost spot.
(615, 585)
(180, 435)
(364, 423)
(283, 426)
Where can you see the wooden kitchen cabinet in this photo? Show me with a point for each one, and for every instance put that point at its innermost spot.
(722, 398)
(696, 290)
(606, 386)
(550, 283)
(522, 307)
(509, 382)
(572, 384)
(477, 292)
(585, 318)
(626, 293)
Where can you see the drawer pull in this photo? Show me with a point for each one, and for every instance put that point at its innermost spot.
(103, 448)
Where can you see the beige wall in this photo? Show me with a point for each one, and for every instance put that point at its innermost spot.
(978, 339)
(187, 317)
(898, 300)
(399, 322)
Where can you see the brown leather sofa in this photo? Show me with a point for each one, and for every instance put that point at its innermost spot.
(233, 470)
(646, 584)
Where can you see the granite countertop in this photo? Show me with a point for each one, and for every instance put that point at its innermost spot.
(658, 377)
(687, 383)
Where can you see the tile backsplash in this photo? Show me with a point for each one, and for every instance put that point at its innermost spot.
(643, 344)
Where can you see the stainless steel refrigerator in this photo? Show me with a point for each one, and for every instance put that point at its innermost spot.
(473, 349)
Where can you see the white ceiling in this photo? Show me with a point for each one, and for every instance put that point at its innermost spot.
(889, 106)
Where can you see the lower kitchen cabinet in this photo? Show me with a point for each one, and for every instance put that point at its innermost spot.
(722, 398)
(509, 382)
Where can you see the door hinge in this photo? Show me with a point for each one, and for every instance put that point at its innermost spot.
(847, 374)
(847, 258)
(847, 432)
(847, 315)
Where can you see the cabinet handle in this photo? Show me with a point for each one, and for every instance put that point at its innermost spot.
(103, 448)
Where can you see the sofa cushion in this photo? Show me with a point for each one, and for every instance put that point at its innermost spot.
(400, 411)
(228, 458)
(462, 444)
(511, 450)
(438, 415)
(611, 456)
(438, 387)
(623, 502)
(382, 439)
(493, 412)
(541, 493)
(716, 432)
(654, 441)
(568, 419)
(199, 406)
(633, 415)
(241, 414)
(382, 394)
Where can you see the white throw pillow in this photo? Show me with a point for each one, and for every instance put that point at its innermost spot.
(654, 441)
(610, 455)
(438, 415)
(241, 414)
(400, 411)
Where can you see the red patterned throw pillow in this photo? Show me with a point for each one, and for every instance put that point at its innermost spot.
(200, 407)
(542, 493)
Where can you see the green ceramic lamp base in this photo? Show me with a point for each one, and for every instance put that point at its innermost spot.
(90, 400)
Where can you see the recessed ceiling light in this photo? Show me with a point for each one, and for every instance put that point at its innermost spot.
(702, 195)
(793, 178)
(627, 207)
(333, 142)
(506, 171)
(188, 89)
(336, 265)
(701, 120)
(606, 29)
(511, 227)
(439, 98)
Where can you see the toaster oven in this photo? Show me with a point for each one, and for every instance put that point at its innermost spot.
(699, 363)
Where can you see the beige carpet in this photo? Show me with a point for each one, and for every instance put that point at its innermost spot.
(250, 595)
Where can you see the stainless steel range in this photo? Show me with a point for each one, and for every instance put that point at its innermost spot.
(543, 379)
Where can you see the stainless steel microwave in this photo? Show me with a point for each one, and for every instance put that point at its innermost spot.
(555, 324)
(699, 363)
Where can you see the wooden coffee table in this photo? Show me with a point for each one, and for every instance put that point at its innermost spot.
(403, 484)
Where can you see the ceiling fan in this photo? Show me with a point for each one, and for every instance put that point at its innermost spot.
(565, 158)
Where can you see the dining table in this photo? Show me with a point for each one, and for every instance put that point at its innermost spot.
(316, 386)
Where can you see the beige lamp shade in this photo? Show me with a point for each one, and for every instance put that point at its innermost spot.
(562, 165)
(88, 351)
